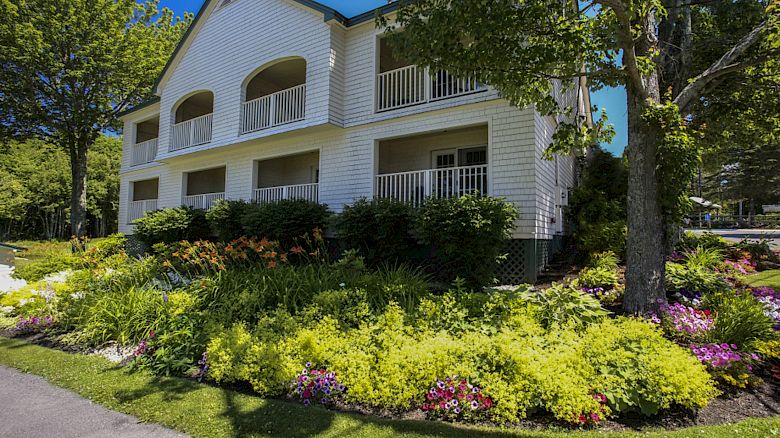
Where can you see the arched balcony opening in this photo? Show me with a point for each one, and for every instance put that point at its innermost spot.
(192, 121)
(274, 96)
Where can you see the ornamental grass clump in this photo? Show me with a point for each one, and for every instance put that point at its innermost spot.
(456, 399)
(316, 386)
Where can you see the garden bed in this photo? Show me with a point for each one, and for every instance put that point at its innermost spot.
(286, 323)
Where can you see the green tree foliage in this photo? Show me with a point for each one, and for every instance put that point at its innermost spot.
(69, 67)
(523, 48)
(598, 205)
(36, 183)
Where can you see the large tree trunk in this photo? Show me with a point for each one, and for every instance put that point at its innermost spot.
(647, 240)
(646, 229)
(78, 193)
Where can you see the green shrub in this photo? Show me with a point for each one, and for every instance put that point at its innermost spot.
(693, 278)
(380, 229)
(704, 257)
(225, 219)
(467, 235)
(390, 364)
(639, 370)
(740, 319)
(690, 241)
(403, 284)
(45, 266)
(597, 207)
(172, 225)
(606, 260)
(598, 277)
(284, 220)
(347, 306)
(562, 304)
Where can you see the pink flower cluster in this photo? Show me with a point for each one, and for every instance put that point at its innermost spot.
(688, 320)
(316, 385)
(743, 266)
(771, 300)
(455, 398)
(595, 417)
(719, 355)
(33, 324)
(142, 347)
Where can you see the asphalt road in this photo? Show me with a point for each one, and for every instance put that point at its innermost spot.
(30, 407)
(754, 234)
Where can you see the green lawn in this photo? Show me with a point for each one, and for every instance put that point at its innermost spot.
(765, 278)
(206, 411)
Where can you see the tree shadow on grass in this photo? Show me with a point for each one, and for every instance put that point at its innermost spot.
(278, 418)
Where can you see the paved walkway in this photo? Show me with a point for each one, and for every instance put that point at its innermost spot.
(30, 407)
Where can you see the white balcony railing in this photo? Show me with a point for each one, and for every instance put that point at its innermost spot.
(414, 187)
(275, 109)
(309, 192)
(412, 85)
(137, 209)
(191, 133)
(144, 152)
(203, 201)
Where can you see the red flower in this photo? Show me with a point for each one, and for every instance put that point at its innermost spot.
(582, 419)
(306, 394)
(488, 402)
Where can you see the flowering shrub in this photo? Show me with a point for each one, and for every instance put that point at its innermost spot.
(731, 268)
(771, 300)
(143, 346)
(203, 256)
(456, 399)
(726, 363)
(681, 321)
(316, 386)
(33, 324)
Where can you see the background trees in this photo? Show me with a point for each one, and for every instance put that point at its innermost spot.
(69, 67)
(668, 54)
(36, 186)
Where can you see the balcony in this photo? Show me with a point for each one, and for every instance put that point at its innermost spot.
(288, 177)
(203, 201)
(144, 152)
(203, 188)
(274, 95)
(275, 109)
(444, 164)
(307, 192)
(413, 85)
(193, 121)
(138, 209)
(417, 186)
(143, 198)
(191, 133)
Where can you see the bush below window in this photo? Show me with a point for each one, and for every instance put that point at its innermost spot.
(172, 225)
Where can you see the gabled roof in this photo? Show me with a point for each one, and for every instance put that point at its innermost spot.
(329, 14)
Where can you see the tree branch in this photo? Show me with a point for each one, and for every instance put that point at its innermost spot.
(723, 66)
(626, 40)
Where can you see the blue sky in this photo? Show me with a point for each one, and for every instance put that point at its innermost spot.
(613, 99)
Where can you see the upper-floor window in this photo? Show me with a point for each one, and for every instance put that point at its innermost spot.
(192, 121)
(400, 83)
(275, 95)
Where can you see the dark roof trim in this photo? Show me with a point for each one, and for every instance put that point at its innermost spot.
(329, 13)
(13, 247)
(148, 102)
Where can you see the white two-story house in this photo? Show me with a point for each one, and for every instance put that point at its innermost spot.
(273, 99)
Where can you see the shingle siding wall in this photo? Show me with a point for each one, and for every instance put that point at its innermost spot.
(341, 121)
(347, 158)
